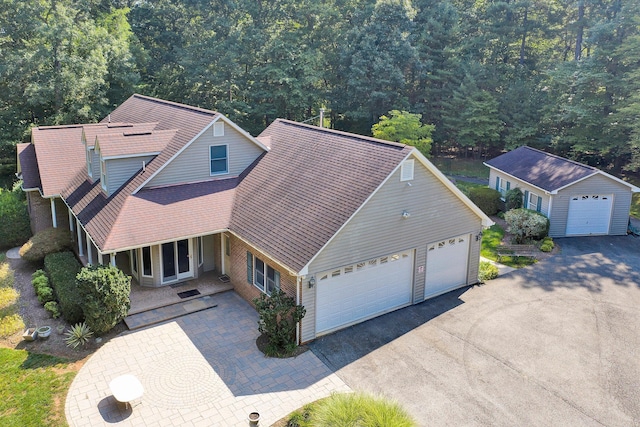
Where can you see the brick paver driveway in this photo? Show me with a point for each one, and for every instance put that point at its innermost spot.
(202, 369)
(553, 344)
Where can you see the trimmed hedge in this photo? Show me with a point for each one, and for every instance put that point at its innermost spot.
(14, 218)
(105, 293)
(48, 241)
(487, 199)
(62, 268)
(6, 275)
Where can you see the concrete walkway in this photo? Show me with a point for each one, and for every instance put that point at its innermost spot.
(202, 369)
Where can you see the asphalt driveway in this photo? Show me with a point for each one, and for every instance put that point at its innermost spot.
(554, 344)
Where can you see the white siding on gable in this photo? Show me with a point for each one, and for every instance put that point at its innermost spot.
(379, 228)
(193, 164)
(120, 171)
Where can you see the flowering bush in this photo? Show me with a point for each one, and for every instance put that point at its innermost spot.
(526, 224)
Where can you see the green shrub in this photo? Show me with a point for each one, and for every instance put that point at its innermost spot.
(39, 282)
(278, 316)
(45, 294)
(62, 268)
(513, 199)
(14, 219)
(38, 273)
(526, 224)
(359, 409)
(487, 199)
(8, 299)
(11, 324)
(487, 271)
(105, 291)
(547, 244)
(48, 241)
(53, 308)
(6, 275)
(78, 335)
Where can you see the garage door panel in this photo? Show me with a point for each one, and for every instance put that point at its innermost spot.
(447, 265)
(365, 290)
(589, 214)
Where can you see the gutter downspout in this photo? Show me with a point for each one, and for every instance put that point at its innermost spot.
(298, 290)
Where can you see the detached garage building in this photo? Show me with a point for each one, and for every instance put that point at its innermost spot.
(578, 199)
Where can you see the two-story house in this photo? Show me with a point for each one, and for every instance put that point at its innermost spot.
(351, 226)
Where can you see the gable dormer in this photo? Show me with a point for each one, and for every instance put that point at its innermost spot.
(221, 150)
(122, 155)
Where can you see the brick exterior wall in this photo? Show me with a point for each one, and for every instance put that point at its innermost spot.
(40, 212)
(238, 270)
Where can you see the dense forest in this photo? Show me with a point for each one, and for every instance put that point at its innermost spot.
(560, 75)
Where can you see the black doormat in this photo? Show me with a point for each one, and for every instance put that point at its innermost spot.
(187, 294)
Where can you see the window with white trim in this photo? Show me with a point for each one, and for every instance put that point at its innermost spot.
(134, 262)
(262, 275)
(218, 159)
(103, 174)
(89, 165)
(406, 170)
(533, 202)
(147, 270)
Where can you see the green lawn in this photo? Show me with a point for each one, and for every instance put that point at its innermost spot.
(464, 167)
(33, 388)
(466, 187)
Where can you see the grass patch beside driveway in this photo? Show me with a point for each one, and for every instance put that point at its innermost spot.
(34, 387)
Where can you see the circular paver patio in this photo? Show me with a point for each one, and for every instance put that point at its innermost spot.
(202, 369)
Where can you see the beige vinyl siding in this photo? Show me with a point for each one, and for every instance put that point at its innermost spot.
(192, 165)
(597, 184)
(95, 165)
(523, 186)
(308, 323)
(209, 252)
(120, 171)
(379, 229)
(474, 259)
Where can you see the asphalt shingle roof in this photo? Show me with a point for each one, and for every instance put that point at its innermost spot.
(543, 170)
(308, 185)
(28, 166)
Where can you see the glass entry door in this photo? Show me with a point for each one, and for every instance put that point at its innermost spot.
(176, 261)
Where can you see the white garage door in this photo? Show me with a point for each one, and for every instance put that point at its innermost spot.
(589, 214)
(446, 265)
(360, 291)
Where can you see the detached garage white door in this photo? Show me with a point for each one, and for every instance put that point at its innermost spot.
(447, 262)
(360, 291)
(589, 214)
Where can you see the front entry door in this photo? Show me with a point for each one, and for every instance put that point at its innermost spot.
(176, 261)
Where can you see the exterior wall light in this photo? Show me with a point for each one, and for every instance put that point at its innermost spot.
(312, 282)
(405, 214)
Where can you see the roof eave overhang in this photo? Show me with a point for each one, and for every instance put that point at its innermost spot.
(544, 190)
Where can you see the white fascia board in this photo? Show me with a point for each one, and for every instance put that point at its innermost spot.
(160, 242)
(188, 144)
(486, 221)
(519, 179)
(130, 156)
(632, 187)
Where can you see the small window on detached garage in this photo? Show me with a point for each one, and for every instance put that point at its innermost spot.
(406, 170)
(219, 159)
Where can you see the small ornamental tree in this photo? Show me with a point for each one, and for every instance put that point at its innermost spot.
(105, 291)
(513, 199)
(279, 315)
(526, 224)
(14, 218)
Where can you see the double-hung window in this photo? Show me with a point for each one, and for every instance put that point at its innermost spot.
(219, 159)
(261, 275)
(534, 202)
(502, 186)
